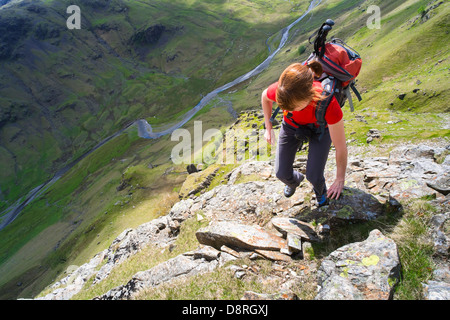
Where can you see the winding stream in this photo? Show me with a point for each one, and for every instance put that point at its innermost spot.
(145, 129)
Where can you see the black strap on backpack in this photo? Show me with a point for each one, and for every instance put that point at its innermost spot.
(329, 86)
(275, 113)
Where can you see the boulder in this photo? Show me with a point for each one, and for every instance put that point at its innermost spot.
(232, 234)
(367, 270)
(354, 205)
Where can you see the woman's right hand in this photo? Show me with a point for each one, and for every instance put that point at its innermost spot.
(269, 136)
(267, 104)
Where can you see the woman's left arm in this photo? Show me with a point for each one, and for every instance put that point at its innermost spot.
(337, 134)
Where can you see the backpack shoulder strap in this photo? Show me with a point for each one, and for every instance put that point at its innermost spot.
(328, 86)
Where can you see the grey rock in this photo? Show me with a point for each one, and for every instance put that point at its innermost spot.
(274, 255)
(161, 232)
(354, 205)
(442, 273)
(441, 184)
(436, 290)
(439, 287)
(374, 133)
(261, 168)
(246, 202)
(367, 270)
(206, 252)
(440, 233)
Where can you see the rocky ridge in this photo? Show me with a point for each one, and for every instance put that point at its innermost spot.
(253, 219)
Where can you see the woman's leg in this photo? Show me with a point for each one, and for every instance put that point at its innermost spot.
(317, 159)
(286, 150)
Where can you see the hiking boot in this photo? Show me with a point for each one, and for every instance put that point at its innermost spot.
(322, 200)
(289, 192)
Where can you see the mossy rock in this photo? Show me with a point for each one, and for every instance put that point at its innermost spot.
(354, 205)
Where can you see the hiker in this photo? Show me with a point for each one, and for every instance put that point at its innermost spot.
(297, 93)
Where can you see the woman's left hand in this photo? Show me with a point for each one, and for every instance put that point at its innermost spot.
(337, 134)
(335, 189)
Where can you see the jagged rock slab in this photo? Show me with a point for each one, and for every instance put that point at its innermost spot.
(367, 270)
(238, 235)
(419, 170)
(296, 227)
(239, 253)
(410, 171)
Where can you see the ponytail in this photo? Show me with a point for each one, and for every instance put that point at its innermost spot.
(315, 67)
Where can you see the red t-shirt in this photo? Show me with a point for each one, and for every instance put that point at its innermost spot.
(308, 115)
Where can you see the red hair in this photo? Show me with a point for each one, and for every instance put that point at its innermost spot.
(296, 85)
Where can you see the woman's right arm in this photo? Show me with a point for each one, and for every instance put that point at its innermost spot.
(267, 105)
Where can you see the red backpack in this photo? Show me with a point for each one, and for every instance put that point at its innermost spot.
(341, 65)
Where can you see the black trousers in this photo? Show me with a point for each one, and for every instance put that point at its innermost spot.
(289, 142)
